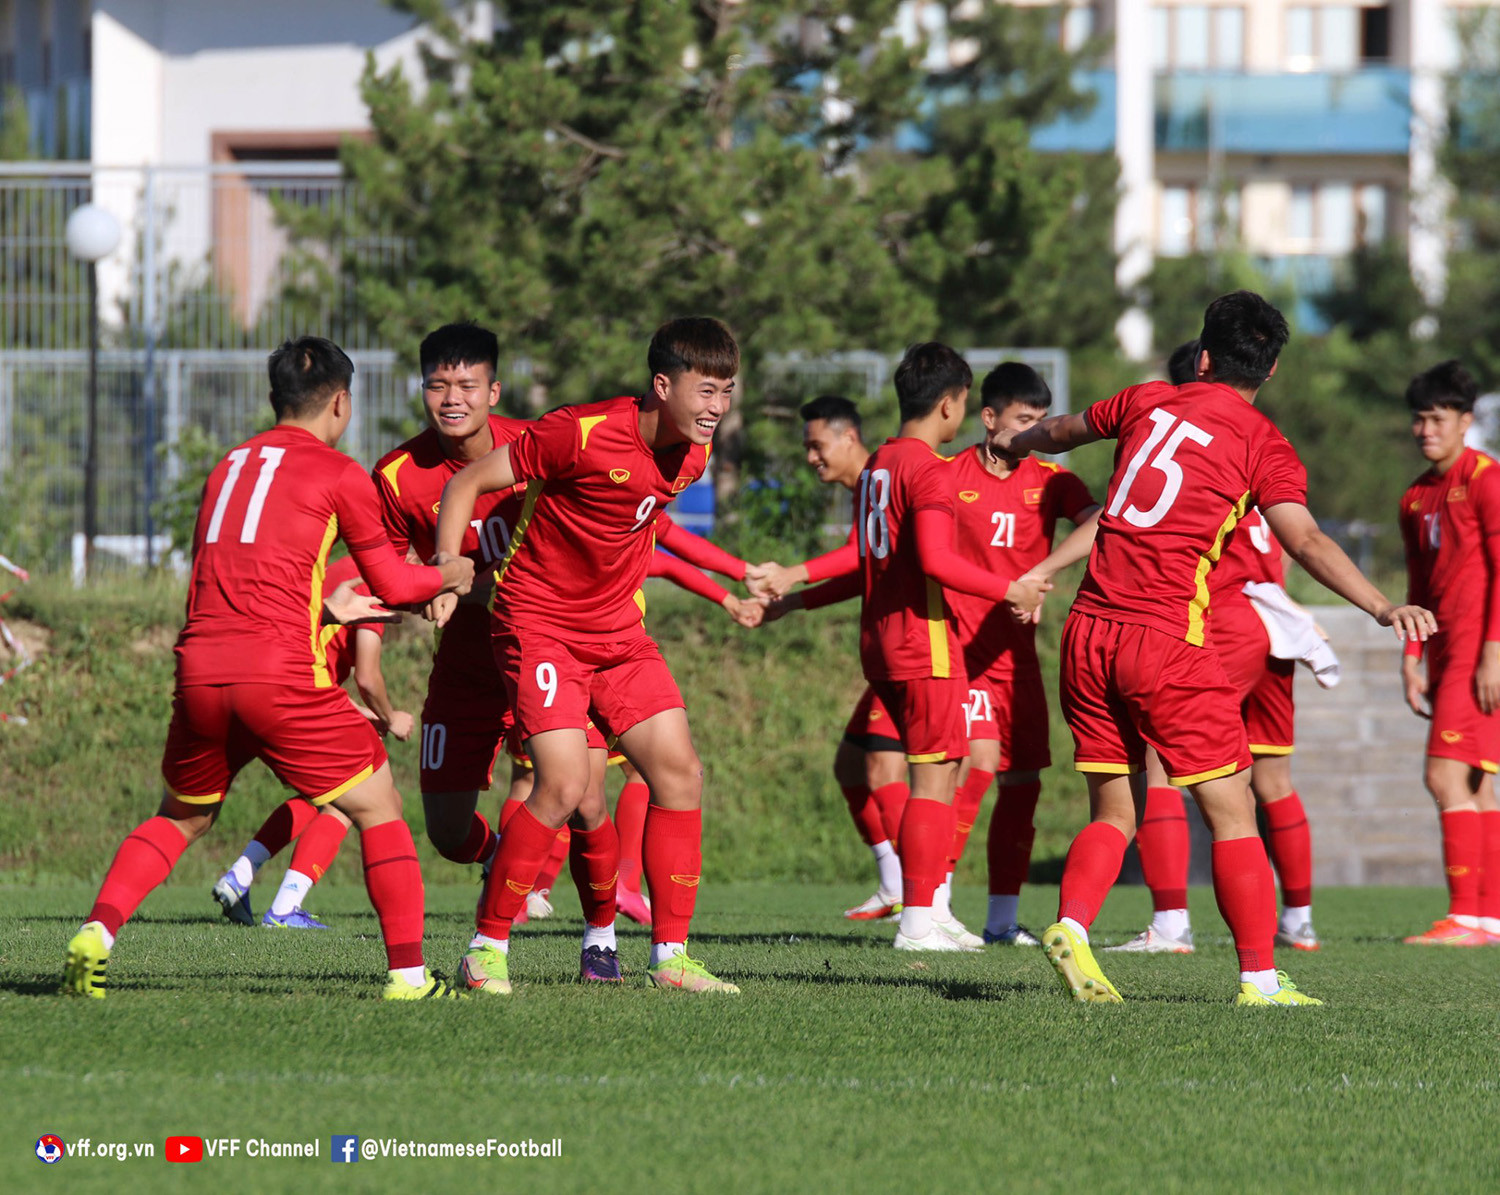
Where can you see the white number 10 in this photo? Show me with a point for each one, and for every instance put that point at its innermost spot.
(1163, 463)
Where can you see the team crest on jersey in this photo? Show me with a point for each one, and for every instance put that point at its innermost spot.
(1450, 736)
(436, 506)
(969, 495)
(1033, 497)
(619, 476)
(1458, 493)
(1416, 505)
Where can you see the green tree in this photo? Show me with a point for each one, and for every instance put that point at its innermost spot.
(597, 167)
(1469, 316)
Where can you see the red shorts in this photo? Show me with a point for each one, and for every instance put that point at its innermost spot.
(314, 740)
(870, 727)
(1263, 681)
(462, 731)
(1011, 711)
(928, 713)
(560, 686)
(1125, 686)
(1460, 729)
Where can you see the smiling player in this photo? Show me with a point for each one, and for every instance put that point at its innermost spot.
(569, 639)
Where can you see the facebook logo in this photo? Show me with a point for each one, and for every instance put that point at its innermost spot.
(345, 1149)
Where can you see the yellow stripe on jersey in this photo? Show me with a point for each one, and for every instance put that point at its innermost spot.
(1481, 463)
(585, 425)
(389, 472)
(321, 678)
(937, 630)
(1051, 466)
(1198, 607)
(333, 794)
(533, 492)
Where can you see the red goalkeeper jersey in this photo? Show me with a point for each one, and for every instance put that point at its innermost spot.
(1190, 461)
(1006, 525)
(410, 480)
(1450, 523)
(583, 541)
(906, 627)
(271, 511)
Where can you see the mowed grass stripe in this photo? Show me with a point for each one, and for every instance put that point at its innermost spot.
(844, 1066)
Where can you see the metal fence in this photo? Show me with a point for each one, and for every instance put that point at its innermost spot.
(205, 259)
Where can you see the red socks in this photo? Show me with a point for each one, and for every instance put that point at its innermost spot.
(674, 866)
(1489, 880)
(865, 812)
(595, 863)
(1011, 834)
(926, 835)
(1092, 868)
(287, 821)
(1162, 840)
(477, 845)
(891, 798)
(317, 845)
(1246, 893)
(144, 860)
(1291, 849)
(394, 882)
(1463, 855)
(524, 846)
(630, 825)
(966, 804)
(556, 857)
(508, 811)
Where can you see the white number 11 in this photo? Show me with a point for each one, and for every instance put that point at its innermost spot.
(270, 461)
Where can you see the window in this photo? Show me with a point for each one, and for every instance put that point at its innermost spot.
(1195, 37)
(1330, 37)
(1195, 220)
(1336, 217)
(1301, 226)
(1375, 34)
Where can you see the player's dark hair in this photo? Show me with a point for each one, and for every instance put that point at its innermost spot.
(1182, 365)
(698, 344)
(1012, 382)
(460, 344)
(832, 409)
(305, 374)
(1243, 335)
(1447, 385)
(927, 372)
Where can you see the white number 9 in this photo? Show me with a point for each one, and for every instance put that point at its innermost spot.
(546, 681)
(643, 511)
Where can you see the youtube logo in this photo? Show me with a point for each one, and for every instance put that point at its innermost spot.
(184, 1149)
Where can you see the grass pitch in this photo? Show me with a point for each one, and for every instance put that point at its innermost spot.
(843, 1066)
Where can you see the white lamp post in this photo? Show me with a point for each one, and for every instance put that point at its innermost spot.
(92, 233)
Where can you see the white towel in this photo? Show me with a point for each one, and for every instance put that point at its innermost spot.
(1294, 635)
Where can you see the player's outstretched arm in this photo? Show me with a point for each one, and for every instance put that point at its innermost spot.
(1075, 547)
(386, 573)
(934, 528)
(1057, 433)
(1328, 565)
(829, 593)
(774, 580)
(347, 605)
(487, 475)
(370, 681)
(698, 551)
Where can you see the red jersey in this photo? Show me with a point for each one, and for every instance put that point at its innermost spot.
(583, 542)
(410, 480)
(338, 640)
(1450, 523)
(906, 627)
(272, 509)
(1005, 525)
(1191, 460)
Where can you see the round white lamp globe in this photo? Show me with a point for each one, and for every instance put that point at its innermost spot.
(91, 232)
